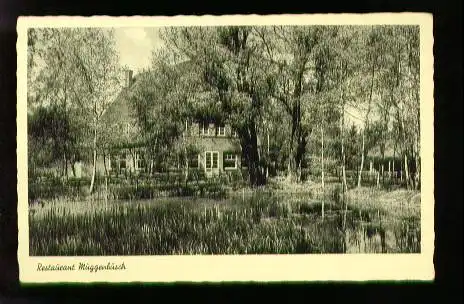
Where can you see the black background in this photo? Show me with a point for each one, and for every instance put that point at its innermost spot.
(447, 287)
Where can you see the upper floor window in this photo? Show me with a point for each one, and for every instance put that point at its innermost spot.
(204, 128)
(221, 130)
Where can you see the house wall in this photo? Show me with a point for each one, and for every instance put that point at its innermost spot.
(215, 143)
(84, 169)
(212, 142)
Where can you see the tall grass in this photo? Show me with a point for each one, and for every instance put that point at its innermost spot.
(258, 227)
(261, 223)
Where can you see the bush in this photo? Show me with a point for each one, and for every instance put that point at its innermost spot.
(54, 187)
(145, 191)
(133, 187)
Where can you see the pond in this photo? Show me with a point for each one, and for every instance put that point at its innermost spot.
(382, 235)
(266, 223)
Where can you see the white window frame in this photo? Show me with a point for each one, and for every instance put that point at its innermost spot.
(230, 158)
(204, 129)
(137, 159)
(234, 158)
(211, 160)
(221, 128)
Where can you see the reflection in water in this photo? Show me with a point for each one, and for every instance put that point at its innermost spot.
(382, 235)
(365, 231)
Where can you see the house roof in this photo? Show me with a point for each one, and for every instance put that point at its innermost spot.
(119, 111)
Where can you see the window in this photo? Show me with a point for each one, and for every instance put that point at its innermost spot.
(211, 160)
(230, 160)
(204, 128)
(221, 130)
(215, 160)
(139, 161)
(208, 160)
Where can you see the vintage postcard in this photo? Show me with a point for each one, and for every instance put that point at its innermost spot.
(225, 148)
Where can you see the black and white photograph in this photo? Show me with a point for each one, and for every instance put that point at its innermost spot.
(233, 138)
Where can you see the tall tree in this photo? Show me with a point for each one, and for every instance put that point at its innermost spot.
(228, 61)
(96, 69)
(293, 52)
(372, 50)
(401, 79)
(80, 69)
(51, 88)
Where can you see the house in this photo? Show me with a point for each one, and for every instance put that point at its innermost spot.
(217, 145)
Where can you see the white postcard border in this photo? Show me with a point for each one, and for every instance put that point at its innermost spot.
(215, 268)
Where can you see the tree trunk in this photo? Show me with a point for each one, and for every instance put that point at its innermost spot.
(106, 176)
(65, 166)
(250, 149)
(418, 171)
(322, 169)
(187, 166)
(94, 169)
(361, 167)
(268, 161)
(342, 133)
(366, 126)
(134, 164)
(382, 170)
(406, 171)
(73, 169)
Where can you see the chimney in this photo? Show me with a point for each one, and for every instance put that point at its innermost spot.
(128, 78)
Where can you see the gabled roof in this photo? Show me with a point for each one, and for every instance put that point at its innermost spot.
(119, 111)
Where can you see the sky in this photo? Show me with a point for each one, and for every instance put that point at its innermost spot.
(135, 46)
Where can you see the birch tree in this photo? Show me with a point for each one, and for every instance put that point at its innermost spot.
(96, 70)
(373, 49)
(80, 68)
